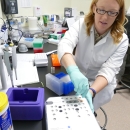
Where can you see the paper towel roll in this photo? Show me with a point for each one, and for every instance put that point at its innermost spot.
(32, 23)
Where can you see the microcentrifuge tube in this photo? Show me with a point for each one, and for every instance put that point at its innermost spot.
(52, 69)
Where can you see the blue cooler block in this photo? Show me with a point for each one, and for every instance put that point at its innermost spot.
(67, 86)
(26, 103)
(60, 83)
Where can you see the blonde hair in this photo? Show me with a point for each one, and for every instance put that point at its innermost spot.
(117, 29)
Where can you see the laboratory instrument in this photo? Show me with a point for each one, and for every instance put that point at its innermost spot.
(69, 113)
(10, 62)
(27, 41)
(2, 73)
(14, 60)
(4, 34)
(8, 66)
(9, 6)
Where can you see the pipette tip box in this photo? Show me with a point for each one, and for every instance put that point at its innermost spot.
(38, 45)
(26, 103)
(59, 83)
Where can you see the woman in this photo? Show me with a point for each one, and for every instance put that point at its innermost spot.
(101, 45)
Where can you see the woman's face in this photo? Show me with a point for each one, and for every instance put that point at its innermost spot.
(103, 21)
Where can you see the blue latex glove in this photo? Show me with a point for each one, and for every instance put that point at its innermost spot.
(81, 85)
(89, 99)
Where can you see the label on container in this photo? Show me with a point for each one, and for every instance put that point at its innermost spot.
(6, 121)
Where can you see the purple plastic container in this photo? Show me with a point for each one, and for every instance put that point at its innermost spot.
(26, 103)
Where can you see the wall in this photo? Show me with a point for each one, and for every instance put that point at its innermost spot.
(83, 5)
(127, 4)
(48, 7)
(56, 6)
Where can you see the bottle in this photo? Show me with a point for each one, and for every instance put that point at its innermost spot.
(5, 115)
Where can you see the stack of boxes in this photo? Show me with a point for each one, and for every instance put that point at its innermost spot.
(54, 38)
(38, 45)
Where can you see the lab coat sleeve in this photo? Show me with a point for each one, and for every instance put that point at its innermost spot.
(112, 66)
(69, 41)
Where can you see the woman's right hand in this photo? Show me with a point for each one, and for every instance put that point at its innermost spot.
(89, 99)
(81, 85)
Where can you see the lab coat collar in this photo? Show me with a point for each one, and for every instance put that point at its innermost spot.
(102, 41)
(92, 28)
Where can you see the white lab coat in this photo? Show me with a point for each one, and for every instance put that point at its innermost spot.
(104, 58)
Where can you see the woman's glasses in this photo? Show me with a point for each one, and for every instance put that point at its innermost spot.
(110, 13)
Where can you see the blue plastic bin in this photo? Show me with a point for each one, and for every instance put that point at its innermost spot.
(26, 103)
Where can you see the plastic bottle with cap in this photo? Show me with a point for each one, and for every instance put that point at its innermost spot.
(5, 115)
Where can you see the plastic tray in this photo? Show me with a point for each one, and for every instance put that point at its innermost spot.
(26, 103)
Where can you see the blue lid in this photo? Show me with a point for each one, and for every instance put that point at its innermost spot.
(60, 75)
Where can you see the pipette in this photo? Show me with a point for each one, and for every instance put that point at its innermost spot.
(14, 60)
(50, 52)
(7, 63)
(2, 73)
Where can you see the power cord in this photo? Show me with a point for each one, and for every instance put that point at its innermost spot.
(21, 34)
(3, 21)
(10, 28)
(103, 128)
